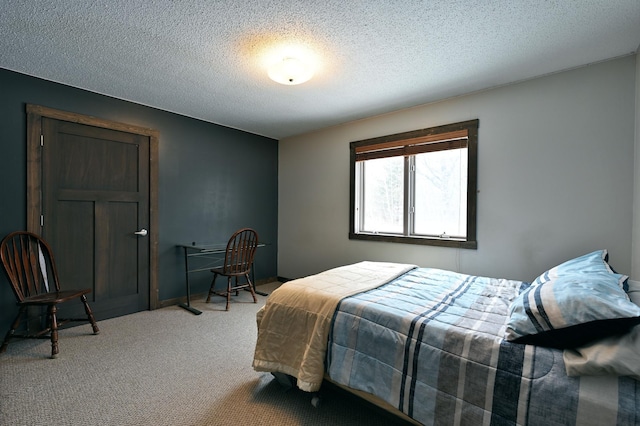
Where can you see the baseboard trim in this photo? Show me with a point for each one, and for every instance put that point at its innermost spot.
(183, 299)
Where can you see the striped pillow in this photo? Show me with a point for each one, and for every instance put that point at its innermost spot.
(571, 309)
(596, 261)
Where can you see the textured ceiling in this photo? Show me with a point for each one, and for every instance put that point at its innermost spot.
(206, 59)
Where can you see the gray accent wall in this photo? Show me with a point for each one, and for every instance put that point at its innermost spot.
(212, 179)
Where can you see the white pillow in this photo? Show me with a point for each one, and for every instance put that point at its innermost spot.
(615, 355)
(634, 291)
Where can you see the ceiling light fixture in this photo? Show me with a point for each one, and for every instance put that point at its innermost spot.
(290, 71)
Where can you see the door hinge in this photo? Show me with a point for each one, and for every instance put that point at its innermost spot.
(41, 220)
(41, 140)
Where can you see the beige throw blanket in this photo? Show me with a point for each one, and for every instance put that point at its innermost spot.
(294, 324)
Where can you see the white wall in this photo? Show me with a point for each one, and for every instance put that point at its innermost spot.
(555, 178)
(635, 258)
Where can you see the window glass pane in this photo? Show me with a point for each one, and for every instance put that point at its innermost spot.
(383, 195)
(441, 193)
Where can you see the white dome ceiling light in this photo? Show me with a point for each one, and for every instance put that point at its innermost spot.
(290, 71)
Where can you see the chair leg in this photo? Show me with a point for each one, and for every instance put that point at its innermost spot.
(213, 282)
(253, 293)
(11, 332)
(228, 292)
(92, 320)
(54, 330)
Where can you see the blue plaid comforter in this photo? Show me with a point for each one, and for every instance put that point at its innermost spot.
(430, 343)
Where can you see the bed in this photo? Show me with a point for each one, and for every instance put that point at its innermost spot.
(440, 347)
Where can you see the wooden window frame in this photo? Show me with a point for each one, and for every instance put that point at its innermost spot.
(431, 139)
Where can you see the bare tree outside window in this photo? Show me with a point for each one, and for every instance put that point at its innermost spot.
(383, 195)
(441, 193)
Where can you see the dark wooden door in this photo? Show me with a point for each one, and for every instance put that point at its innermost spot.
(95, 189)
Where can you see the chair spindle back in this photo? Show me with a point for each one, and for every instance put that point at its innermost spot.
(29, 265)
(241, 249)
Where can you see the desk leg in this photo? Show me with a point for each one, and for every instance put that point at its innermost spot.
(253, 282)
(188, 305)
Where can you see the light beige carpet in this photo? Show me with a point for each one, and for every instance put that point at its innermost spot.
(162, 367)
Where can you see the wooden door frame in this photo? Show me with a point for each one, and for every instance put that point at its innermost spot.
(35, 113)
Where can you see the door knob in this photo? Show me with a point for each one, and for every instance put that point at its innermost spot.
(143, 232)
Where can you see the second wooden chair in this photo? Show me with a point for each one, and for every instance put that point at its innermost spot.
(238, 261)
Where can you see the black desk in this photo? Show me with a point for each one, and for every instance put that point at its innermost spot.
(209, 256)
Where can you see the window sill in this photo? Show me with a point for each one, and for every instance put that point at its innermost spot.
(441, 242)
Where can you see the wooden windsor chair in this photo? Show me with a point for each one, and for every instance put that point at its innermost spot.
(30, 266)
(238, 261)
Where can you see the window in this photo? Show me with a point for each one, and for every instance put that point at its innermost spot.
(416, 187)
